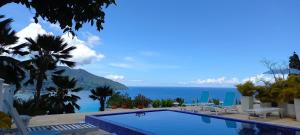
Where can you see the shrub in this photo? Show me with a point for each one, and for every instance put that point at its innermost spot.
(167, 103)
(126, 101)
(156, 103)
(141, 101)
(115, 100)
(216, 101)
(246, 89)
(5, 121)
(180, 101)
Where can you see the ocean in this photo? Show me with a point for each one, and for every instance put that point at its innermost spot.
(187, 93)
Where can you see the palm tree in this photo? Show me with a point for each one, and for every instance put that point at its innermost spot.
(61, 99)
(11, 68)
(46, 52)
(100, 93)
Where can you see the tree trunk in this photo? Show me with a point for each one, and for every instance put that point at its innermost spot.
(102, 106)
(39, 85)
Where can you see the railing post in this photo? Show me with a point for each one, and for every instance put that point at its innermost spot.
(1, 95)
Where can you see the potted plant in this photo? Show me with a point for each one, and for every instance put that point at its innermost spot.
(126, 101)
(5, 122)
(141, 101)
(263, 95)
(247, 91)
(115, 100)
(293, 83)
(287, 99)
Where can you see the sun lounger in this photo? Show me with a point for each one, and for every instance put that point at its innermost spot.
(77, 128)
(227, 106)
(203, 102)
(263, 111)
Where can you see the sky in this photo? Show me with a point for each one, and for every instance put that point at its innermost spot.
(209, 43)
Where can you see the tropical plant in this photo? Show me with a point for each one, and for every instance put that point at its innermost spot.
(115, 100)
(61, 99)
(180, 101)
(141, 101)
(263, 93)
(5, 120)
(46, 51)
(216, 101)
(11, 68)
(167, 103)
(246, 89)
(292, 90)
(126, 101)
(100, 93)
(68, 14)
(156, 103)
(28, 107)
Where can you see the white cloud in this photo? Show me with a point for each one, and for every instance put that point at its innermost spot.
(120, 65)
(114, 77)
(128, 58)
(32, 31)
(82, 54)
(258, 78)
(216, 81)
(93, 40)
(227, 82)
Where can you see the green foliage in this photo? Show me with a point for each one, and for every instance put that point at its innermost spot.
(141, 101)
(167, 103)
(68, 14)
(216, 101)
(115, 100)
(156, 103)
(246, 89)
(126, 101)
(29, 107)
(61, 99)
(180, 101)
(293, 88)
(294, 61)
(100, 93)
(11, 68)
(46, 51)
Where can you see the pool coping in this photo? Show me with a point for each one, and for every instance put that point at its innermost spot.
(123, 127)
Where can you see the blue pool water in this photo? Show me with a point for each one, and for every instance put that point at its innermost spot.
(179, 123)
(188, 93)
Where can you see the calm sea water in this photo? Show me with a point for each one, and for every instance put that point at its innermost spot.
(188, 93)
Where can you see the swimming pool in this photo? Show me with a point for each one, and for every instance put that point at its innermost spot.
(166, 122)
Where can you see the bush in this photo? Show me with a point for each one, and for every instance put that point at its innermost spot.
(156, 103)
(167, 103)
(126, 101)
(115, 100)
(180, 101)
(28, 107)
(246, 89)
(216, 101)
(141, 101)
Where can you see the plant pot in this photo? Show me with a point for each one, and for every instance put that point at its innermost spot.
(124, 106)
(297, 109)
(140, 106)
(291, 110)
(114, 107)
(247, 102)
(265, 104)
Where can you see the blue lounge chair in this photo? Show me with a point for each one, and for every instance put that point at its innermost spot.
(228, 104)
(204, 101)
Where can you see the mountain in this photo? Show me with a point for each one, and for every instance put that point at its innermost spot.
(84, 79)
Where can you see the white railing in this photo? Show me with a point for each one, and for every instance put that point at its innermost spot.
(7, 94)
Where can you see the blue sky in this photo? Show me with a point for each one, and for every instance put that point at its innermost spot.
(181, 43)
